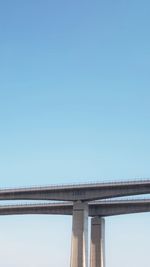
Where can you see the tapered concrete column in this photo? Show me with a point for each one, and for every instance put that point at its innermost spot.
(79, 247)
(97, 257)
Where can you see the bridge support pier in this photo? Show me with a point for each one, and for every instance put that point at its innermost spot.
(97, 256)
(79, 246)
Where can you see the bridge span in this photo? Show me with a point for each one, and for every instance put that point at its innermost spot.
(96, 208)
(79, 192)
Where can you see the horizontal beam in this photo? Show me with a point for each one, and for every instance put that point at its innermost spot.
(83, 192)
(101, 208)
(113, 208)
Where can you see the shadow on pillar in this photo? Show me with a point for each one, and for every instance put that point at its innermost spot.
(97, 253)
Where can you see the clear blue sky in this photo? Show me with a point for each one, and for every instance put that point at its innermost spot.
(74, 107)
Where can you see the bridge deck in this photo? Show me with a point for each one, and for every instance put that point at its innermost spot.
(99, 208)
(85, 192)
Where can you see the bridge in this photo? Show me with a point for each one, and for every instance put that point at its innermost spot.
(96, 208)
(78, 192)
(83, 204)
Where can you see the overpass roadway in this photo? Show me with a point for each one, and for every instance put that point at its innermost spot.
(96, 208)
(79, 192)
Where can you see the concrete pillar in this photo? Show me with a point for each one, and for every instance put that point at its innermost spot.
(97, 257)
(79, 246)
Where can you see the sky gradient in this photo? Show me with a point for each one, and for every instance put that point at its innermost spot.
(74, 107)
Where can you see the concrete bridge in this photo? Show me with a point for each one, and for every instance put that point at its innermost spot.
(80, 192)
(97, 210)
(81, 195)
(102, 208)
